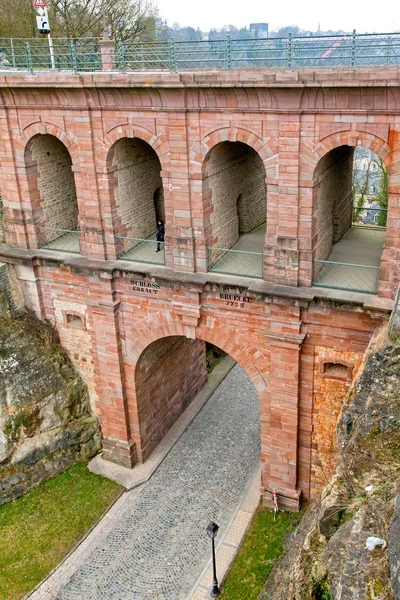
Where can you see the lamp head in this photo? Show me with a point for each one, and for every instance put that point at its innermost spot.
(212, 529)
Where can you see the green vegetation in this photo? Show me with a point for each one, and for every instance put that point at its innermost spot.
(263, 544)
(321, 590)
(39, 529)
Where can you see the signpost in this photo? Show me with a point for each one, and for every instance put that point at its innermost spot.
(43, 25)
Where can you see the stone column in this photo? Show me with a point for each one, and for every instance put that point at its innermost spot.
(286, 241)
(284, 421)
(107, 54)
(112, 409)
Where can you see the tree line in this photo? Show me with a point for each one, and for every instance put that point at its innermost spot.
(134, 20)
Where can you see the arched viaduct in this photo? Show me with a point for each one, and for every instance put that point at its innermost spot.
(95, 159)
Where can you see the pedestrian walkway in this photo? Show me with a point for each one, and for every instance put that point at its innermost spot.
(156, 545)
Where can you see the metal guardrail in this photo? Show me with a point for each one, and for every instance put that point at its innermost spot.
(371, 217)
(88, 55)
(236, 262)
(63, 240)
(141, 250)
(346, 276)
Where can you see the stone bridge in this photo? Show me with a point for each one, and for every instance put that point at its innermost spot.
(252, 173)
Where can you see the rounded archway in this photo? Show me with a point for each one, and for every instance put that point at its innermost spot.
(52, 193)
(137, 196)
(349, 218)
(234, 193)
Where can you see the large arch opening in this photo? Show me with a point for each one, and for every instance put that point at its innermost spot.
(234, 191)
(52, 193)
(350, 199)
(138, 198)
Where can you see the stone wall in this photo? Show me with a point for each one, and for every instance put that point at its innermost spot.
(234, 178)
(169, 374)
(49, 169)
(46, 424)
(334, 199)
(138, 191)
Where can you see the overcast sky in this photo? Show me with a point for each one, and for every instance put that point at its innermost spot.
(365, 15)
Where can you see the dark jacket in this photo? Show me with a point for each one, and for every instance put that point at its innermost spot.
(160, 232)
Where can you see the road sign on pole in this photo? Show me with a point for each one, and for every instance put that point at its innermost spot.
(39, 4)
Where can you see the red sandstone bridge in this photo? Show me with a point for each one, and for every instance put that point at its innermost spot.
(251, 170)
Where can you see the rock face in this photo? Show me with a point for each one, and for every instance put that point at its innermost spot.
(327, 558)
(45, 420)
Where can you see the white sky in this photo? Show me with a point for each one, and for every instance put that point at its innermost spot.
(362, 15)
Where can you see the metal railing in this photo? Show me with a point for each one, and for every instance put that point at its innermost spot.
(86, 55)
(141, 250)
(346, 276)
(63, 240)
(236, 262)
(369, 217)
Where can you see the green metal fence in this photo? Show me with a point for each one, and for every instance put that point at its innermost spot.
(63, 240)
(138, 250)
(369, 217)
(346, 276)
(236, 262)
(81, 55)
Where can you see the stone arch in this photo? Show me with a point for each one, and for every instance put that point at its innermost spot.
(52, 192)
(43, 128)
(231, 169)
(312, 151)
(162, 325)
(136, 192)
(159, 143)
(267, 148)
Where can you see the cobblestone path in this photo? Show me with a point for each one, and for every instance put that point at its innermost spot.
(159, 546)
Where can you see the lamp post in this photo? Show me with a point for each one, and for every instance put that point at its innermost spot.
(212, 530)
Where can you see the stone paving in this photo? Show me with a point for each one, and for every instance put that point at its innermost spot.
(158, 546)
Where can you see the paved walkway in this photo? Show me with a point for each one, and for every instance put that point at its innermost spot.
(156, 546)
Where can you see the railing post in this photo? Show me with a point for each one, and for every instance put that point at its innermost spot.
(73, 55)
(228, 53)
(12, 53)
(121, 54)
(107, 54)
(353, 49)
(172, 57)
(289, 52)
(29, 58)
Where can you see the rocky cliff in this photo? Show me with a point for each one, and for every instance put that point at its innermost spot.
(45, 420)
(327, 558)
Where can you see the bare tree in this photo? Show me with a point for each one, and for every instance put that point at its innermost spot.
(125, 19)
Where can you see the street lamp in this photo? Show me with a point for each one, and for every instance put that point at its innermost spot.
(212, 530)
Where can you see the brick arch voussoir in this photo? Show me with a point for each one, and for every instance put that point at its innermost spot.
(316, 151)
(264, 148)
(24, 140)
(159, 144)
(166, 324)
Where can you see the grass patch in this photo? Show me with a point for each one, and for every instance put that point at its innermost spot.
(39, 529)
(262, 545)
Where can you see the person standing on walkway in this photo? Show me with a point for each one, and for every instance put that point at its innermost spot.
(160, 234)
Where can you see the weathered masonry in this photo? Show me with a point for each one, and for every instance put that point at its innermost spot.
(251, 172)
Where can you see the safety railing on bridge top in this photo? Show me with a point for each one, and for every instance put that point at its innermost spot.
(346, 276)
(369, 217)
(90, 55)
(63, 240)
(235, 262)
(141, 250)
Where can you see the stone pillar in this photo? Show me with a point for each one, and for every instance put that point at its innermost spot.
(389, 277)
(112, 409)
(286, 241)
(179, 242)
(107, 54)
(284, 421)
